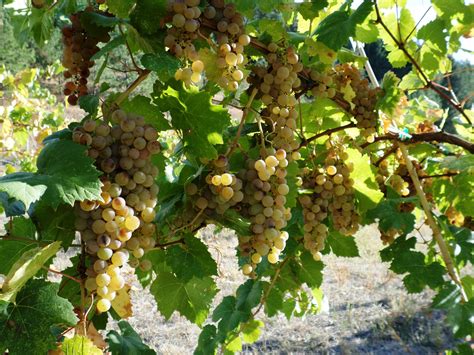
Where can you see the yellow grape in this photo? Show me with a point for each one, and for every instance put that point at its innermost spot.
(216, 180)
(132, 223)
(102, 280)
(103, 305)
(226, 179)
(247, 269)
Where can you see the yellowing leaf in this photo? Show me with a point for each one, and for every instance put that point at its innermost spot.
(80, 345)
(325, 54)
(348, 94)
(366, 188)
(122, 303)
(25, 268)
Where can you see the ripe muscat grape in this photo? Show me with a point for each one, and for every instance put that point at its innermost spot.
(224, 23)
(118, 229)
(331, 196)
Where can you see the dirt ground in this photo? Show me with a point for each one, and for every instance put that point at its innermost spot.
(367, 312)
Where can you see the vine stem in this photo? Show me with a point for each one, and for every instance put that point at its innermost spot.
(123, 96)
(448, 261)
(62, 274)
(327, 132)
(242, 122)
(401, 45)
(272, 284)
(429, 137)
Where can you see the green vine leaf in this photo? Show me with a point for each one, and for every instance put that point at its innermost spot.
(191, 298)
(335, 30)
(342, 245)
(191, 259)
(27, 323)
(127, 341)
(142, 106)
(405, 260)
(66, 172)
(200, 122)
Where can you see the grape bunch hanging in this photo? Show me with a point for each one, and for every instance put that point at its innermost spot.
(79, 47)
(119, 229)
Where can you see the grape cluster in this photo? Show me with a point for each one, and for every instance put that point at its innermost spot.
(324, 85)
(230, 39)
(265, 195)
(180, 36)
(365, 99)
(333, 195)
(395, 181)
(276, 85)
(79, 47)
(315, 231)
(119, 229)
(222, 189)
(227, 27)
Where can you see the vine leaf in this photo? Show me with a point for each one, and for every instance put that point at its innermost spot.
(191, 298)
(21, 191)
(342, 245)
(235, 310)
(65, 175)
(56, 225)
(309, 271)
(335, 30)
(122, 303)
(162, 63)
(25, 268)
(79, 345)
(121, 8)
(390, 217)
(392, 94)
(191, 260)
(147, 16)
(89, 103)
(28, 322)
(127, 341)
(200, 122)
(142, 106)
(207, 342)
(404, 259)
(367, 191)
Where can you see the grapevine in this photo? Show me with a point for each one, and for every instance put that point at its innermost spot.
(315, 149)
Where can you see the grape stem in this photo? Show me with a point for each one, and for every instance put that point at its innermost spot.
(262, 300)
(386, 155)
(174, 242)
(270, 287)
(429, 137)
(62, 274)
(123, 96)
(235, 143)
(137, 68)
(305, 142)
(445, 254)
(428, 83)
(437, 176)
